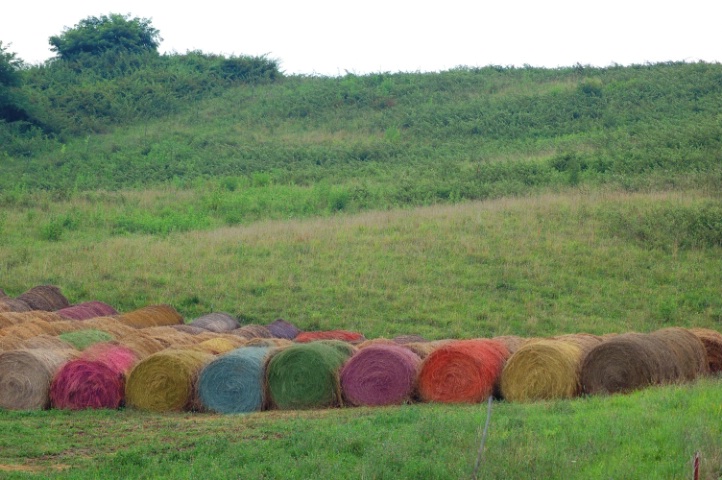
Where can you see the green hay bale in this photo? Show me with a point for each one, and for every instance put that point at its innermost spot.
(82, 339)
(166, 381)
(306, 376)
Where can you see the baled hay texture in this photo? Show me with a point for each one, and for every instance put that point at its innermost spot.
(252, 331)
(82, 339)
(189, 329)
(343, 335)
(235, 382)
(110, 325)
(404, 339)
(344, 347)
(375, 341)
(712, 341)
(25, 377)
(170, 337)
(45, 297)
(166, 381)
(117, 357)
(64, 326)
(47, 342)
(218, 322)
(512, 342)
(688, 351)
(13, 305)
(8, 319)
(463, 371)
(215, 346)
(267, 342)
(151, 316)
(29, 329)
(585, 341)
(280, 328)
(380, 375)
(142, 345)
(424, 349)
(542, 370)
(11, 342)
(84, 311)
(626, 362)
(305, 376)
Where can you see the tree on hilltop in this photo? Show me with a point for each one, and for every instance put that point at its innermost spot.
(12, 106)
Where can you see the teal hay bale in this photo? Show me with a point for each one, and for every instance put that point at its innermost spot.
(26, 375)
(305, 376)
(235, 381)
(82, 339)
(218, 322)
(45, 297)
(167, 381)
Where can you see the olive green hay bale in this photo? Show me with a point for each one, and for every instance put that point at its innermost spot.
(542, 370)
(13, 305)
(305, 376)
(45, 297)
(512, 342)
(152, 316)
(82, 339)
(267, 342)
(712, 341)
(110, 325)
(25, 377)
(688, 351)
(48, 342)
(218, 322)
(166, 381)
(342, 346)
(142, 345)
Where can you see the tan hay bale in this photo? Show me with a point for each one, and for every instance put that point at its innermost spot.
(13, 305)
(214, 346)
(252, 331)
(404, 339)
(169, 336)
(542, 370)
(25, 377)
(45, 297)
(10, 342)
(512, 342)
(268, 342)
(28, 329)
(110, 325)
(375, 341)
(688, 351)
(218, 322)
(585, 341)
(142, 345)
(424, 349)
(47, 342)
(152, 316)
(189, 329)
(712, 341)
(17, 318)
(65, 326)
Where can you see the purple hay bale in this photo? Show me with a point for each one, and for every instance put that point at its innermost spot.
(87, 310)
(280, 328)
(380, 374)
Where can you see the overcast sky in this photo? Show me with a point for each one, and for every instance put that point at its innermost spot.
(334, 37)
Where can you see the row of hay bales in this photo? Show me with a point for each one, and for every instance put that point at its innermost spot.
(88, 356)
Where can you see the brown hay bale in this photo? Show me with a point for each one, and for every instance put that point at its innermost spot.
(10, 342)
(512, 342)
(29, 329)
(152, 316)
(65, 326)
(45, 297)
(404, 339)
(47, 342)
(542, 370)
(688, 351)
(141, 344)
(25, 377)
(218, 322)
(110, 325)
(189, 329)
(585, 341)
(268, 342)
(13, 305)
(712, 341)
(252, 331)
(343, 335)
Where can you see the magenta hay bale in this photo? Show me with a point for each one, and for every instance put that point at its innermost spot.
(25, 377)
(462, 371)
(542, 370)
(218, 322)
(712, 341)
(87, 310)
(235, 382)
(305, 376)
(152, 316)
(280, 328)
(95, 380)
(45, 297)
(166, 381)
(82, 339)
(380, 375)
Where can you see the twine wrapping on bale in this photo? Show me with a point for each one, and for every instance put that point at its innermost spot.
(235, 382)
(152, 316)
(110, 325)
(142, 345)
(712, 341)
(280, 328)
(13, 305)
(82, 339)
(343, 335)
(404, 339)
(688, 351)
(25, 377)
(166, 381)
(542, 370)
(305, 376)
(95, 380)
(380, 375)
(462, 371)
(48, 342)
(87, 310)
(218, 322)
(45, 297)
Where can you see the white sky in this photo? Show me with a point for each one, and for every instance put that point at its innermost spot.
(331, 37)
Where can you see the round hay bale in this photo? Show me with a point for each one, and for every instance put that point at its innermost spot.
(462, 371)
(152, 316)
(13, 305)
(142, 345)
(25, 377)
(11, 342)
(169, 336)
(117, 357)
(215, 346)
(625, 363)
(29, 329)
(344, 347)
(87, 310)
(542, 370)
(235, 382)
(343, 335)
(712, 341)
(252, 331)
(219, 322)
(166, 381)
(404, 339)
(375, 341)
(82, 339)
(189, 329)
(688, 351)
(267, 342)
(512, 342)
(424, 349)
(8, 319)
(45, 297)
(3, 294)
(585, 341)
(64, 326)
(47, 342)
(305, 376)
(110, 325)
(380, 375)
(280, 328)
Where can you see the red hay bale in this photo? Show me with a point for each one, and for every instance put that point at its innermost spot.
(25, 377)
(152, 316)
(712, 341)
(343, 335)
(462, 371)
(45, 297)
(84, 311)
(380, 374)
(218, 322)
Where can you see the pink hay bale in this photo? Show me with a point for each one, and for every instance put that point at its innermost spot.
(45, 297)
(119, 358)
(380, 374)
(280, 328)
(343, 335)
(87, 310)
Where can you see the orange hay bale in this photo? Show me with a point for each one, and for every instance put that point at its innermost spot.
(462, 371)
(110, 325)
(45, 297)
(712, 341)
(28, 329)
(688, 351)
(152, 316)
